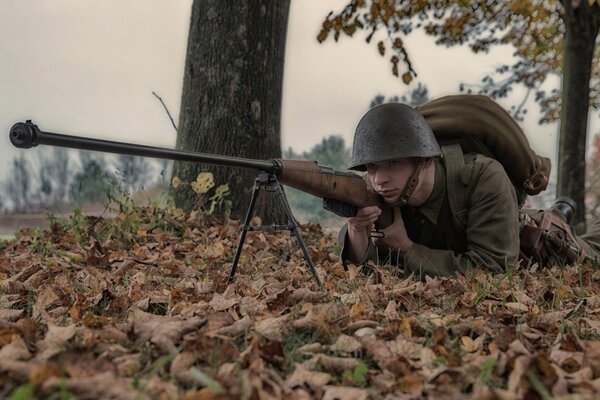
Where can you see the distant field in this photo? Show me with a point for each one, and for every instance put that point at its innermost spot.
(5, 237)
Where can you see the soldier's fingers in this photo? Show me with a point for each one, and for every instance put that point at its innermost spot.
(368, 211)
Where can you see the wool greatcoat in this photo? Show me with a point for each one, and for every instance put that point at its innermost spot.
(489, 237)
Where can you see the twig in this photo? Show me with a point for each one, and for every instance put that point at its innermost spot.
(166, 109)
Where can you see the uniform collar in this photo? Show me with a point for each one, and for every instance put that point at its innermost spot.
(432, 206)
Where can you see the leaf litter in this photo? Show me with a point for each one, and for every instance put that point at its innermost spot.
(139, 307)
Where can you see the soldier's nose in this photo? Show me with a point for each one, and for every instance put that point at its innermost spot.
(380, 178)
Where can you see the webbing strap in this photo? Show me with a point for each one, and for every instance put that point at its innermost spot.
(411, 185)
(455, 187)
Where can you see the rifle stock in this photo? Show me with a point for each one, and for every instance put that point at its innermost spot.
(342, 192)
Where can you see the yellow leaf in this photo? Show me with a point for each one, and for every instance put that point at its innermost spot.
(405, 327)
(203, 183)
(468, 344)
(357, 310)
(221, 190)
(175, 182)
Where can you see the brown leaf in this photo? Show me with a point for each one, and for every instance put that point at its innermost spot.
(105, 386)
(17, 370)
(411, 384)
(45, 299)
(15, 350)
(273, 328)
(376, 349)
(40, 373)
(591, 356)
(55, 340)
(345, 344)
(128, 365)
(11, 315)
(517, 374)
(302, 376)
(162, 331)
(311, 348)
(306, 295)
(236, 329)
(336, 365)
(223, 302)
(346, 393)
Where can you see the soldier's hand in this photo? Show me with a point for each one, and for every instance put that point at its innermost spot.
(364, 219)
(358, 232)
(395, 235)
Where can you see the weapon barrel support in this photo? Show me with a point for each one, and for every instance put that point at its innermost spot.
(26, 135)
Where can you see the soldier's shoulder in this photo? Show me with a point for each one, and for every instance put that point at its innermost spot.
(484, 162)
(485, 168)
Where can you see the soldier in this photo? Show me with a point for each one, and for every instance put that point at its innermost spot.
(405, 165)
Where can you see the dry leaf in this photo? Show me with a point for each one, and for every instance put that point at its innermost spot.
(273, 328)
(163, 332)
(345, 344)
(15, 350)
(105, 386)
(345, 393)
(55, 341)
(302, 376)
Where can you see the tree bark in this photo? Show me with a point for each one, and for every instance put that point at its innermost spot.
(231, 98)
(581, 30)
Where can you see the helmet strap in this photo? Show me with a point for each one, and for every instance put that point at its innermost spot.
(410, 187)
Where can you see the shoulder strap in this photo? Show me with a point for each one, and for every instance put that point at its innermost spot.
(457, 197)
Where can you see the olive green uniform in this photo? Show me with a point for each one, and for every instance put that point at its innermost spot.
(488, 235)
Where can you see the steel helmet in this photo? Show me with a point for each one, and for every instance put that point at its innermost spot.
(391, 131)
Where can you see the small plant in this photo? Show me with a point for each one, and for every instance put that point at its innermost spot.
(358, 375)
(23, 392)
(487, 370)
(220, 200)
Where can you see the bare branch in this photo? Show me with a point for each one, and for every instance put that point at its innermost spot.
(166, 109)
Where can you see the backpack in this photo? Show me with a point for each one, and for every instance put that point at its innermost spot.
(480, 125)
(466, 124)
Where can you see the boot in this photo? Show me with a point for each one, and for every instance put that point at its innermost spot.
(565, 208)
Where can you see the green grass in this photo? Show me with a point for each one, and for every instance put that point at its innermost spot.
(4, 236)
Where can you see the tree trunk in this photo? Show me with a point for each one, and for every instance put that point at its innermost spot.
(581, 30)
(231, 98)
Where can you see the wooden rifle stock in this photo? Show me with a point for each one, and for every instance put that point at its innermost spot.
(338, 189)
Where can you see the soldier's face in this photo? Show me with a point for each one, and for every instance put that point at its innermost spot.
(390, 177)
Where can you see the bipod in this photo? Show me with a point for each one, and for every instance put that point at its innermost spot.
(269, 183)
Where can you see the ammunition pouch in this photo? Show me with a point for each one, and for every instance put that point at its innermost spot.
(547, 239)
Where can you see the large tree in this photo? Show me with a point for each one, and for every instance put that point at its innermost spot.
(231, 99)
(549, 37)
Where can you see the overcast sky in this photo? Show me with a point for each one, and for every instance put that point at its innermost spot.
(89, 67)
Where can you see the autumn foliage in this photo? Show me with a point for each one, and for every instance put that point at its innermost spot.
(137, 306)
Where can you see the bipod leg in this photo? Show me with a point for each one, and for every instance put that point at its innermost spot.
(294, 228)
(245, 228)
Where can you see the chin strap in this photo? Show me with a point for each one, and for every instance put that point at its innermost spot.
(409, 189)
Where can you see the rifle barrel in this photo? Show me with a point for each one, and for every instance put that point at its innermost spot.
(26, 135)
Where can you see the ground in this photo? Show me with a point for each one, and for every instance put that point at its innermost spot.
(138, 306)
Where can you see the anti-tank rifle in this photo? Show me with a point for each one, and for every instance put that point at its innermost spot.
(343, 193)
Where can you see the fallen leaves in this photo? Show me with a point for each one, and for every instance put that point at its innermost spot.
(149, 314)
